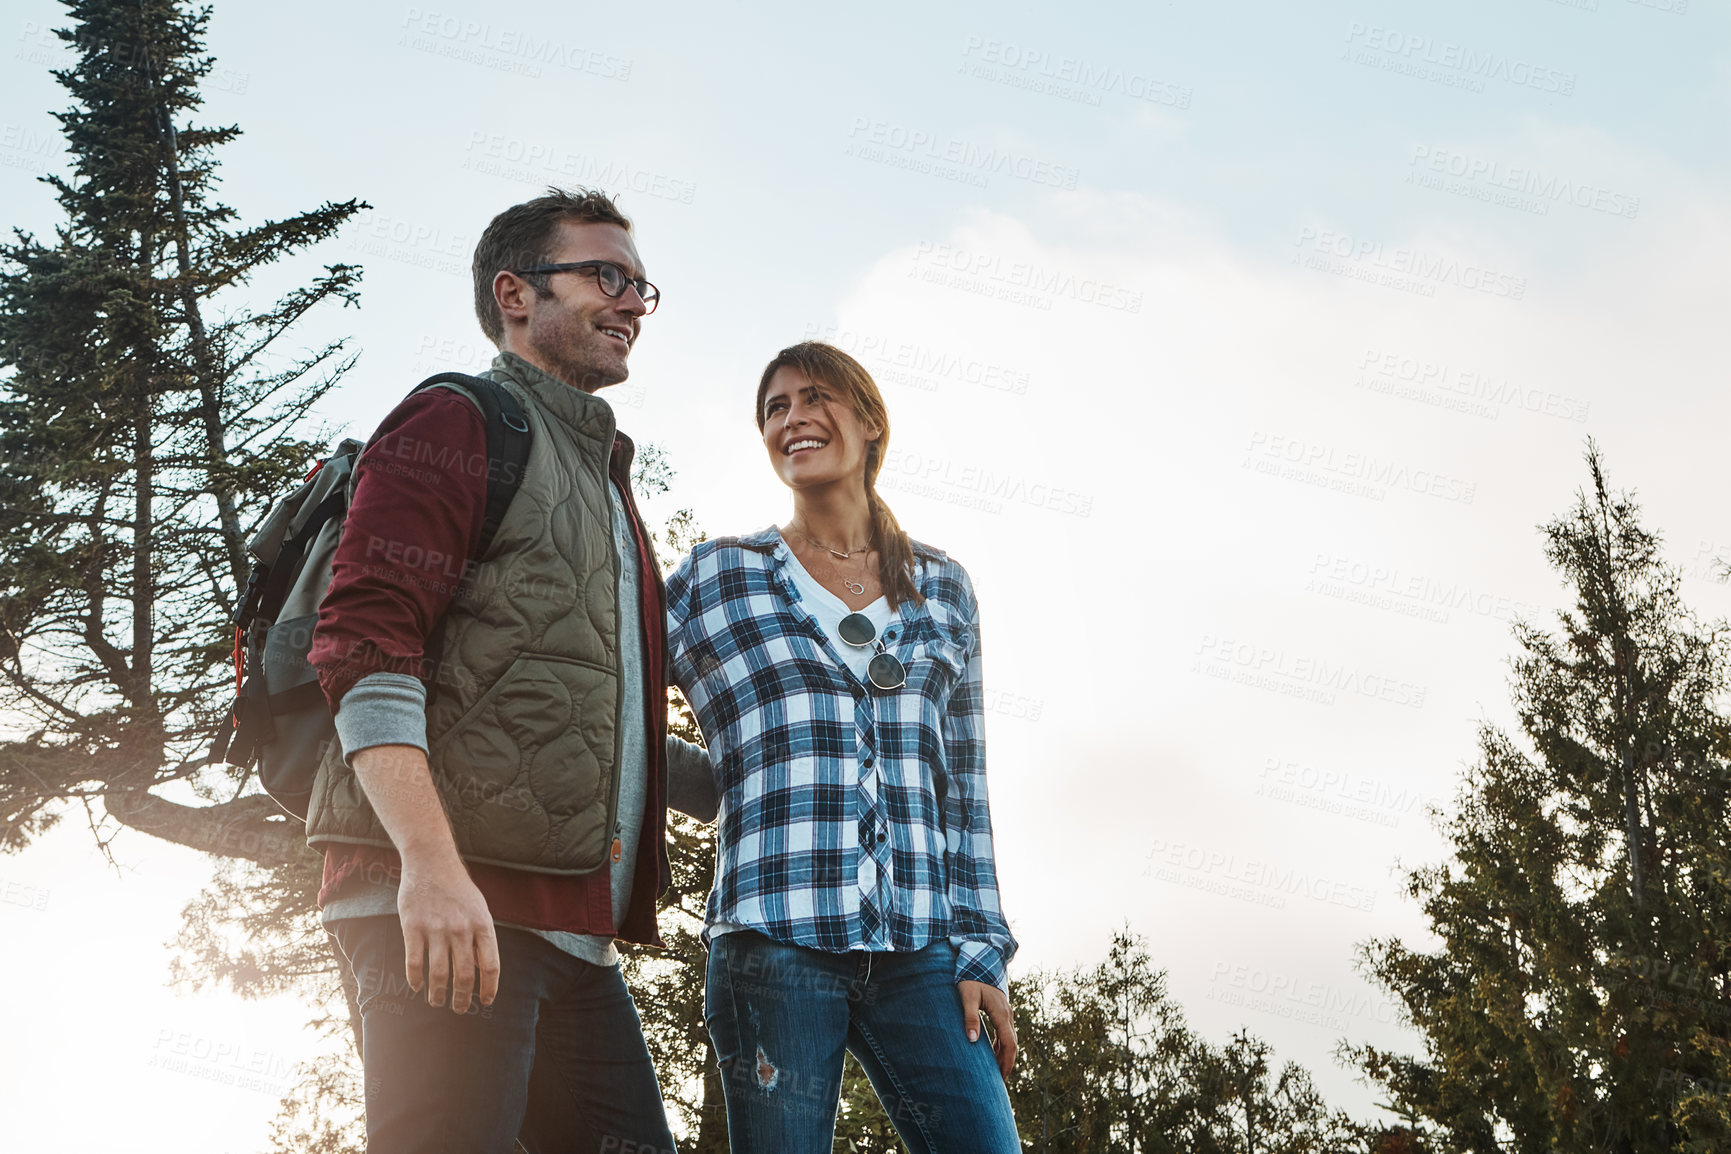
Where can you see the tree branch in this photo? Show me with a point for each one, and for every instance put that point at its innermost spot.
(253, 828)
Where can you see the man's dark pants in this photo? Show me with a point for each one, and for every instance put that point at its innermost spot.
(557, 1061)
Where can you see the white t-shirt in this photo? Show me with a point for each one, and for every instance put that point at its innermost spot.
(830, 609)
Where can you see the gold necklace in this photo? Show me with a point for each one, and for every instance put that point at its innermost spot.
(831, 549)
(857, 588)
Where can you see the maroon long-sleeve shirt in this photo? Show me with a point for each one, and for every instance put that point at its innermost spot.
(381, 608)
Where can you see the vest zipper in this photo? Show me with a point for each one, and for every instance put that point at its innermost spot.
(617, 851)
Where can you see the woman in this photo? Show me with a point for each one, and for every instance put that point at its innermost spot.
(834, 665)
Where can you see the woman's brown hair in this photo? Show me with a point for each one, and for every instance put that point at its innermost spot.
(847, 379)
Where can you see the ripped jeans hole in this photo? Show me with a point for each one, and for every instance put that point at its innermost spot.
(767, 1074)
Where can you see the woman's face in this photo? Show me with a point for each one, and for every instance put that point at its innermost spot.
(813, 437)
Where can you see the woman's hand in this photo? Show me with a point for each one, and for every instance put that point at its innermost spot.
(977, 996)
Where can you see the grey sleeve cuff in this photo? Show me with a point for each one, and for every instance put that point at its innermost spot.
(690, 779)
(383, 709)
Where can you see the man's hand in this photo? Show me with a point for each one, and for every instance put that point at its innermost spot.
(977, 996)
(446, 923)
(448, 931)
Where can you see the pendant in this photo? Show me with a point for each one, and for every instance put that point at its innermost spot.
(854, 587)
(840, 556)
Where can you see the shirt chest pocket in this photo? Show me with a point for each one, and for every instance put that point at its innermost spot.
(941, 651)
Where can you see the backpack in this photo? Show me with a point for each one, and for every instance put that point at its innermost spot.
(279, 717)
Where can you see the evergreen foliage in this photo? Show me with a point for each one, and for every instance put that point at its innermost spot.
(146, 421)
(1109, 1064)
(1579, 1000)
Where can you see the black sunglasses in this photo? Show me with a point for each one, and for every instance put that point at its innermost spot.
(884, 670)
(612, 279)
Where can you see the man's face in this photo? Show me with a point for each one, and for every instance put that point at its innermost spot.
(579, 333)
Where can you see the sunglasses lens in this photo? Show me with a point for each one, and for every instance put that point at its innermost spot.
(886, 672)
(857, 629)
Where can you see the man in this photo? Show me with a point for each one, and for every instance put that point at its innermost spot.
(492, 813)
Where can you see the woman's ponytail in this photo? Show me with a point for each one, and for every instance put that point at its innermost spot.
(895, 550)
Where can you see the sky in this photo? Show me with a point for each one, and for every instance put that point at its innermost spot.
(1238, 350)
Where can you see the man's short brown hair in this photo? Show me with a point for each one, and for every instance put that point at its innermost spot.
(522, 237)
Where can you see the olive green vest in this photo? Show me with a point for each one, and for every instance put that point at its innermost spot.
(523, 718)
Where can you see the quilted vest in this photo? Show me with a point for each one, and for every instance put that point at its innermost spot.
(524, 700)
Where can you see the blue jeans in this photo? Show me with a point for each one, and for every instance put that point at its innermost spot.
(556, 1062)
(780, 1017)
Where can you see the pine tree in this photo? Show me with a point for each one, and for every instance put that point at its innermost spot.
(1108, 1065)
(1059, 1083)
(145, 423)
(1247, 1108)
(1146, 1047)
(1579, 1000)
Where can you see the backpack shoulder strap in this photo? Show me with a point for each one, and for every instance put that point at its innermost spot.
(507, 443)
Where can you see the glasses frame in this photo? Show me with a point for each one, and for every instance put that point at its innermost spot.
(646, 292)
(885, 670)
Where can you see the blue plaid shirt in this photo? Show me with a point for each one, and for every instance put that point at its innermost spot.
(851, 818)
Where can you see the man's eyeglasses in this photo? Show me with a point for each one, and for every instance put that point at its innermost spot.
(884, 670)
(612, 279)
